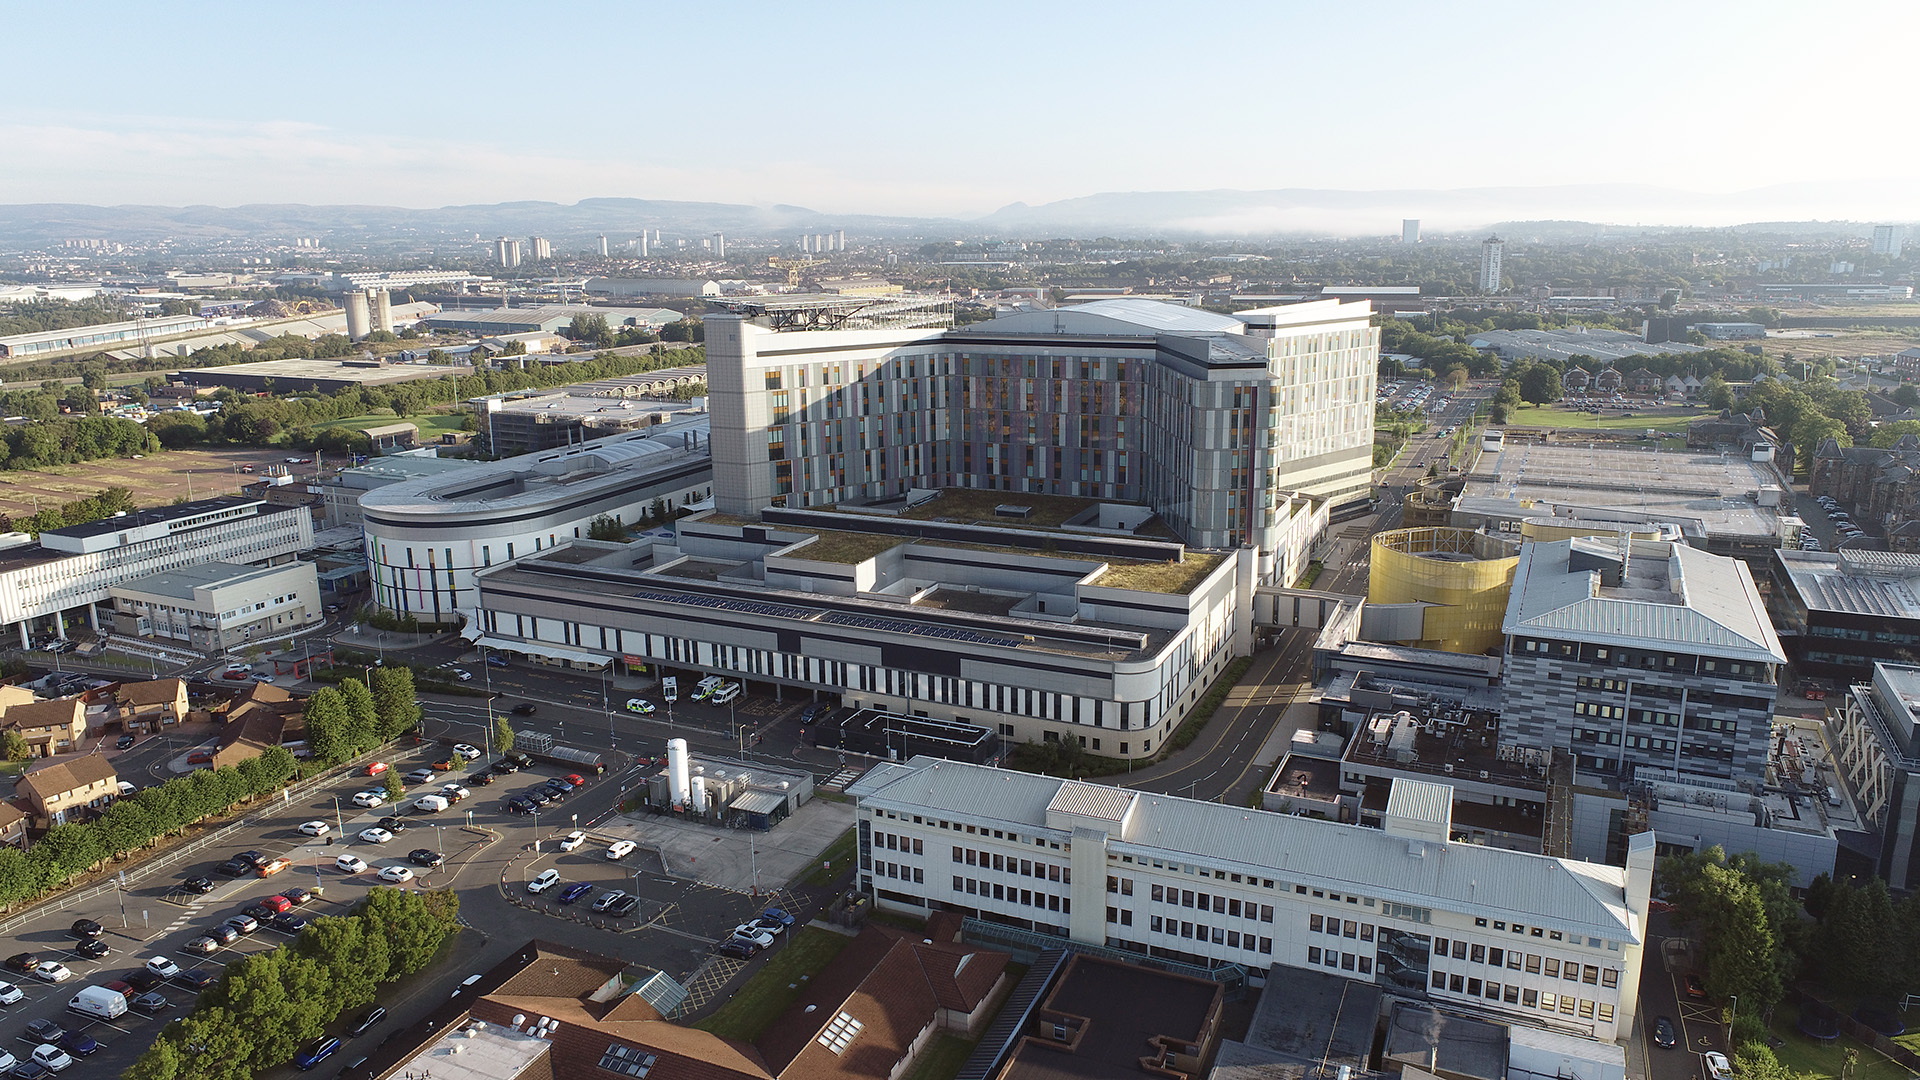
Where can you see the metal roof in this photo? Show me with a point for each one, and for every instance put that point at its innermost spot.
(1421, 801)
(1092, 800)
(1586, 898)
(1689, 599)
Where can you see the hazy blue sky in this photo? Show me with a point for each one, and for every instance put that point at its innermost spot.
(954, 108)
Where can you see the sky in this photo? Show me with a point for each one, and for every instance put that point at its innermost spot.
(957, 109)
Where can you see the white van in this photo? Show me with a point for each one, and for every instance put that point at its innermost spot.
(726, 695)
(704, 689)
(100, 1002)
(432, 804)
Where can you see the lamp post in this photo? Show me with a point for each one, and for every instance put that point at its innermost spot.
(339, 822)
(1732, 1015)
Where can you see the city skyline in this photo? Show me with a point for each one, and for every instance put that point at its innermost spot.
(851, 108)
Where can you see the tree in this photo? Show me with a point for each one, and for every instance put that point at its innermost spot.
(1813, 429)
(1747, 913)
(13, 747)
(329, 727)
(1741, 958)
(1540, 384)
(396, 787)
(362, 713)
(604, 527)
(1853, 939)
(502, 734)
(1906, 394)
(395, 705)
(1716, 392)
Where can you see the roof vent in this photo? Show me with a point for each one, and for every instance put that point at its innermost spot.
(1416, 849)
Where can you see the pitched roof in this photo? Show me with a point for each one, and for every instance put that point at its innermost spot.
(155, 692)
(57, 712)
(581, 1040)
(898, 983)
(69, 774)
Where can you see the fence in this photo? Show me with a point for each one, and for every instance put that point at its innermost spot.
(1854, 1029)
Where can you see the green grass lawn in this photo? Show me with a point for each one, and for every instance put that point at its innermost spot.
(431, 425)
(839, 854)
(1807, 1057)
(1551, 416)
(943, 1059)
(774, 988)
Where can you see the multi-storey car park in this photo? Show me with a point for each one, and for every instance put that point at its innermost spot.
(1548, 942)
(1235, 430)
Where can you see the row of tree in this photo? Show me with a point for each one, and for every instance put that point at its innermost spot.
(268, 1004)
(67, 440)
(103, 504)
(136, 822)
(349, 719)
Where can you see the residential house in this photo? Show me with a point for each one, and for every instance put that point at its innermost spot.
(1906, 363)
(1608, 381)
(1576, 378)
(1873, 484)
(66, 789)
(1642, 381)
(13, 825)
(143, 707)
(872, 1011)
(262, 717)
(50, 727)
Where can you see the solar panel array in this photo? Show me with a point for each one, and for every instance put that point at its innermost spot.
(900, 626)
(723, 603)
(1867, 596)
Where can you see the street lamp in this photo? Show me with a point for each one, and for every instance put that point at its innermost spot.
(339, 823)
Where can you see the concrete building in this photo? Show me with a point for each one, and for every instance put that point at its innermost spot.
(1874, 485)
(425, 538)
(1878, 731)
(101, 336)
(506, 252)
(1410, 231)
(1216, 423)
(1609, 346)
(548, 318)
(542, 250)
(77, 567)
(1492, 252)
(625, 287)
(218, 606)
(525, 423)
(68, 789)
(1842, 613)
(1640, 653)
(603, 247)
(1210, 885)
(315, 375)
(1041, 635)
(1887, 240)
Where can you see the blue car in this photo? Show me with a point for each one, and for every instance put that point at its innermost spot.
(575, 892)
(315, 1054)
(774, 914)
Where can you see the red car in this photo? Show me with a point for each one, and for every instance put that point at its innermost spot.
(576, 780)
(375, 768)
(234, 675)
(277, 904)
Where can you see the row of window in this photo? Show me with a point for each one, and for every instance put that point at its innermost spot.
(900, 873)
(1010, 894)
(896, 842)
(1217, 935)
(1526, 997)
(1531, 963)
(1214, 902)
(1345, 961)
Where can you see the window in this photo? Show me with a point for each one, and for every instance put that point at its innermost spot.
(1553, 968)
(1313, 954)
(1549, 1002)
(1533, 965)
(1610, 977)
(1590, 975)
(1315, 924)
(840, 1032)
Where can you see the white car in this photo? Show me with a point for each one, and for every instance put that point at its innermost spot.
(572, 840)
(9, 994)
(375, 835)
(547, 880)
(51, 1057)
(163, 967)
(352, 864)
(750, 932)
(471, 753)
(237, 666)
(1718, 1067)
(51, 971)
(398, 875)
(315, 828)
(368, 799)
(462, 674)
(620, 849)
(7, 1062)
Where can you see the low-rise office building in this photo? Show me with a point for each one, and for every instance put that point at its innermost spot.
(1552, 942)
(219, 606)
(1640, 653)
(1842, 612)
(1878, 731)
(76, 568)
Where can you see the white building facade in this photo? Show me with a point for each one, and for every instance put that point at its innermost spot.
(218, 606)
(1518, 937)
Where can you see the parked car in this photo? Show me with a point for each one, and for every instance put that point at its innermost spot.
(418, 776)
(297, 896)
(289, 923)
(640, 705)
(124, 742)
(736, 947)
(547, 880)
(575, 892)
(367, 1021)
(11, 994)
(276, 904)
(51, 1058)
(273, 866)
(246, 924)
(150, 1003)
(748, 932)
(315, 828)
(45, 1031)
(92, 949)
(520, 805)
(22, 962)
(234, 868)
(1696, 989)
(778, 915)
(315, 1053)
(623, 907)
(461, 673)
(572, 840)
(198, 885)
(52, 971)
(506, 768)
(426, 857)
(368, 799)
(393, 823)
(608, 899)
(395, 875)
(196, 978)
(352, 864)
(1718, 1067)
(224, 934)
(471, 753)
(140, 980)
(375, 835)
(203, 945)
(79, 1044)
(620, 849)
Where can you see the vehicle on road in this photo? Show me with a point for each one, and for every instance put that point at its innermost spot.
(393, 823)
(454, 792)
(525, 708)
(1663, 1034)
(547, 880)
(273, 866)
(315, 828)
(367, 1021)
(375, 768)
(198, 885)
(816, 711)
(92, 950)
(86, 928)
(497, 661)
(426, 857)
(471, 753)
(572, 840)
(315, 1053)
(418, 776)
(640, 705)
(1718, 1067)
(395, 875)
(124, 742)
(234, 868)
(620, 849)
(462, 674)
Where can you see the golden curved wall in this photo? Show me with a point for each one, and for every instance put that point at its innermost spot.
(1466, 575)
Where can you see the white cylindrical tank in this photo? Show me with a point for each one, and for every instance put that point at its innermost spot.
(383, 310)
(699, 788)
(677, 771)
